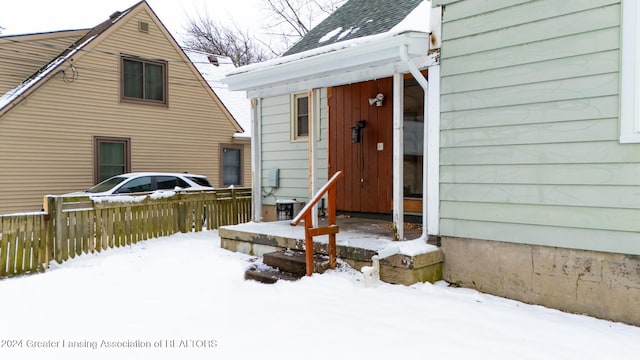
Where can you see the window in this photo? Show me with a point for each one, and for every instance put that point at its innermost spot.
(112, 157)
(231, 165)
(143, 80)
(630, 73)
(170, 183)
(137, 185)
(300, 115)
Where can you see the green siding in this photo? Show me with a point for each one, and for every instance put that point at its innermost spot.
(291, 157)
(530, 117)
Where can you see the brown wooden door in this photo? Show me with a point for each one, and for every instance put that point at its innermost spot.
(367, 165)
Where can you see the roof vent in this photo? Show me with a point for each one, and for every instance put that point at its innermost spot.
(214, 60)
(115, 15)
(143, 26)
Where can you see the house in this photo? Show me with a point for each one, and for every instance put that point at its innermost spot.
(329, 77)
(339, 100)
(540, 152)
(78, 106)
(532, 181)
(213, 68)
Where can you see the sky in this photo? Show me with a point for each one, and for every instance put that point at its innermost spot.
(184, 297)
(29, 16)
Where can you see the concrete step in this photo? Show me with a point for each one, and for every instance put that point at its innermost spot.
(294, 261)
(268, 275)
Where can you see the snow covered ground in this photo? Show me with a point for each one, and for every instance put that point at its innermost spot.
(183, 297)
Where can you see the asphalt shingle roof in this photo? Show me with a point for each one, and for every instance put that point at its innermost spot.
(354, 19)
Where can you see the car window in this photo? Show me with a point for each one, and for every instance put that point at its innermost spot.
(202, 181)
(141, 184)
(170, 183)
(107, 184)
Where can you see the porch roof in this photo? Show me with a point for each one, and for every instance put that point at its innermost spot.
(341, 63)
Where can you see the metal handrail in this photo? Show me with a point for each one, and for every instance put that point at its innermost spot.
(331, 229)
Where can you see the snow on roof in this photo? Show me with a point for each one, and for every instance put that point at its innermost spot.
(330, 34)
(417, 20)
(16, 92)
(235, 101)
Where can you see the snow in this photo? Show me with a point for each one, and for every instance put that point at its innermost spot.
(235, 101)
(417, 20)
(184, 290)
(14, 93)
(350, 30)
(118, 198)
(383, 245)
(330, 34)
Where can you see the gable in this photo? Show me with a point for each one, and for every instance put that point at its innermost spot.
(102, 47)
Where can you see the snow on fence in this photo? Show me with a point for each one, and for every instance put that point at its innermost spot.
(72, 226)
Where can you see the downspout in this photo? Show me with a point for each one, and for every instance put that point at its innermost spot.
(256, 158)
(431, 146)
(404, 57)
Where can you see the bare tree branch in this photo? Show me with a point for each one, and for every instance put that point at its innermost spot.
(289, 21)
(206, 35)
(292, 19)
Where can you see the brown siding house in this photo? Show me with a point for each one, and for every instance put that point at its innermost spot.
(79, 106)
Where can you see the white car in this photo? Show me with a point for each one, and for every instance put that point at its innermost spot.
(145, 182)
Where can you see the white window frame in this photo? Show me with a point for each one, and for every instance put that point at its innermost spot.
(630, 73)
(294, 116)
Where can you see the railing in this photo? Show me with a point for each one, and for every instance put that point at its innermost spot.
(331, 229)
(72, 226)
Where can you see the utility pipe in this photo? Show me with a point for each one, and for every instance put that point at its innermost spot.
(404, 57)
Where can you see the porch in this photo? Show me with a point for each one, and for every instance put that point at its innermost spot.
(359, 239)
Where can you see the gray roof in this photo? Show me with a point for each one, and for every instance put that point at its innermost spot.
(356, 18)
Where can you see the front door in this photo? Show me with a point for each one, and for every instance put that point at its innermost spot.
(360, 144)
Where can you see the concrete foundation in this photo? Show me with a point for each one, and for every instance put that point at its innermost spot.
(396, 269)
(598, 284)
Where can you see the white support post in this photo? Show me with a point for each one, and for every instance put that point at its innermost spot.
(314, 117)
(433, 152)
(256, 159)
(398, 154)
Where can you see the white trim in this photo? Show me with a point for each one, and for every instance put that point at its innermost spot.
(256, 158)
(374, 57)
(294, 116)
(433, 151)
(630, 73)
(314, 117)
(398, 155)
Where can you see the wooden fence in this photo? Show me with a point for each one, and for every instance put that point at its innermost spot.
(72, 226)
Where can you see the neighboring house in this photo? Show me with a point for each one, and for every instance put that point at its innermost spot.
(236, 155)
(82, 105)
(532, 137)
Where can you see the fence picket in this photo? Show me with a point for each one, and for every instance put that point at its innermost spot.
(68, 229)
(12, 245)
